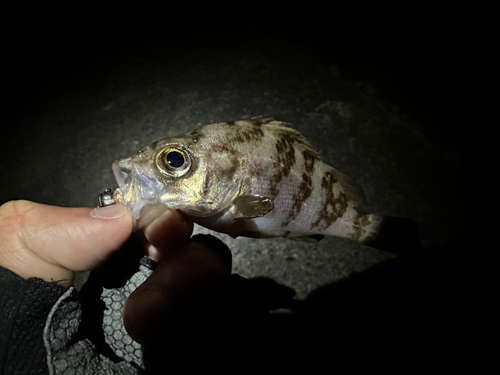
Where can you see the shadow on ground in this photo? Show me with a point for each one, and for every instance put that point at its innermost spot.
(433, 311)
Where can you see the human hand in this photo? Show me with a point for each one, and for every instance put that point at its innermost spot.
(53, 243)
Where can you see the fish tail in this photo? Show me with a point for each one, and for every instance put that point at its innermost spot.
(367, 226)
(393, 234)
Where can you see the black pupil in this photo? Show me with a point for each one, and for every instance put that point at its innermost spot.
(175, 159)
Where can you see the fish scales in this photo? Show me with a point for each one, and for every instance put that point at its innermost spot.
(254, 178)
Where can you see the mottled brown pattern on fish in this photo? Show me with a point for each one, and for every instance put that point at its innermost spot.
(229, 172)
(253, 134)
(286, 144)
(258, 121)
(333, 207)
(285, 160)
(304, 192)
(245, 135)
(329, 176)
(360, 222)
(195, 134)
(309, 160)
(235, 165)
(363, 220)
(293, 136)
(222, 148)
(305, 188)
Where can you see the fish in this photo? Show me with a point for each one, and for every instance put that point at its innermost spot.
(257, 178)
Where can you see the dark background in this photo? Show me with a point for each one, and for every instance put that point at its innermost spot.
(400, 98)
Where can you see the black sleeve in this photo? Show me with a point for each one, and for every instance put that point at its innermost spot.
(24, 307)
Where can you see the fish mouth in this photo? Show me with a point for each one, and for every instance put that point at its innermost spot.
(122, 175)
(138, 185)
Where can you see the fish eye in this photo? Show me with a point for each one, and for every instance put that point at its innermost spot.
(175, 159)
(171, 161)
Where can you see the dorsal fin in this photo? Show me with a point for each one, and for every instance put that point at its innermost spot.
(353, 193)
(287, 130)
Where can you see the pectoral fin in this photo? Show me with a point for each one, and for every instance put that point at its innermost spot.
(250, 206)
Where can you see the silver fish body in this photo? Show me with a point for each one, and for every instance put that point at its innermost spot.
(253, 178)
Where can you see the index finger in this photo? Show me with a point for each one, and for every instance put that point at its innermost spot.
(167, 232)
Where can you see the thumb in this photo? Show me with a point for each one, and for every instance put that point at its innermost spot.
(50, 242)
